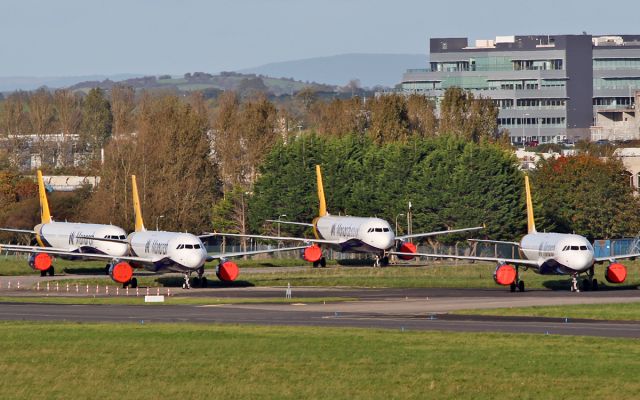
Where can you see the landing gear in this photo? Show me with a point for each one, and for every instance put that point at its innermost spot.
(133, 283)
(574, 283)
(323, 262)
(51, 271)
(186, 284)
(517, 283)
(107, 268)
(381, 261)
(589, 283)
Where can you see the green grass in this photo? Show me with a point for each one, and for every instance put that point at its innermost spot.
(152, 361)
(441, 275)
(617, 311)
(133, 300)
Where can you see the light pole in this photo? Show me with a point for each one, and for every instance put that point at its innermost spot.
(280, 241)
(157, 218)
(399, 215)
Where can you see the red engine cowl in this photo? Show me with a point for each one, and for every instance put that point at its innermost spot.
(505, 274)
(40, 261)
(616, 273)
(227, 271)
(407, 247)
(121, 272)
(312, 253)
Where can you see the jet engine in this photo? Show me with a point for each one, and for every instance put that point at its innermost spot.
(121, 272)
(227, 271)
(40, 262)
(407, 247)
(616, 273)
(312, 253)
(505, 274)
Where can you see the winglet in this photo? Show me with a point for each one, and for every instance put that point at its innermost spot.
(531, 223)
(136, 205)
(322, 211)
(44, 203)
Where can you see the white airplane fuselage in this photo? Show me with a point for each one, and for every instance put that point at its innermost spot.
(356, 234)
(558, 253)
(76, 237)
(168, 251)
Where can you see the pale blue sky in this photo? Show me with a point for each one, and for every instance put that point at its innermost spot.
(81, 37)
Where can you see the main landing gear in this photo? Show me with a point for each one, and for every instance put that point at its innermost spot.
(517, 283)
(588, 283)
(50, 271)
(322, 262)
(133, 283)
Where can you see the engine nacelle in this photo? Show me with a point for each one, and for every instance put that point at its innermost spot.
(407, 247)
(227, 271)
(121, 272)
(616, 273)
(312, 253)
(40, 261)
(505, 274)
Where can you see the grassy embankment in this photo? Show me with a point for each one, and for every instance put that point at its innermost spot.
(150, 361)
(617, 311)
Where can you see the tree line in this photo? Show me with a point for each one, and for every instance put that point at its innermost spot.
(229, 163)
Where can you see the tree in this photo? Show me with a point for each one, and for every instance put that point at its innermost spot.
(389, 119)
(122, 106)
(463, 115)
(422, 117)
(96, 121)
(587, 195)
(42, 118)
(68, 109)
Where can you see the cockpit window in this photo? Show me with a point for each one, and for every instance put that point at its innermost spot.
(575, 247)
(583, 247)
(564, 248)
(180, 246)
(385, 229)
(123, 237)
(196, 246)
(378, 229)
(188, 246)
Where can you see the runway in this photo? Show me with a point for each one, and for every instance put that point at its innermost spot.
(397, 309)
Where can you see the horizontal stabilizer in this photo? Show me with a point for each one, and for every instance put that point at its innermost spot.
(30, 231)
(289, 222)
(213, 257)
(447, 232)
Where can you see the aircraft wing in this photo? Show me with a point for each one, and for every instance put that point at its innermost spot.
(123, 241)
(289, 222)
(213, 257)
(283, 238)
(493, 241)
(477, 228)
(614, 258)
(31, 231)
(517, 261)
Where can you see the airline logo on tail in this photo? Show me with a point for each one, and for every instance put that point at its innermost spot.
(136, 205)
(531, 223)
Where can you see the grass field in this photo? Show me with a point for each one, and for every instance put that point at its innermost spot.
(153, 361)
(618, 311)
(447, 275)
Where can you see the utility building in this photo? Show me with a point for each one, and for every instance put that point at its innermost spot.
(549, 88)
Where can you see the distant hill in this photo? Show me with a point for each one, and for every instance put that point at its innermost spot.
(211, 85)
(370, 69)
(13, 83)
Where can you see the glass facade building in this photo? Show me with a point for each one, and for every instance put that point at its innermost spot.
(547, 87)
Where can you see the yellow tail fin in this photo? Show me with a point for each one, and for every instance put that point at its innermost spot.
(531, 223)
(322, 211)
(136, 205)
(44, 203)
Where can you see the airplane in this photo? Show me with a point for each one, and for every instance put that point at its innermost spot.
(348, 234)
(69, 240)
(161, 251)
(548, 254)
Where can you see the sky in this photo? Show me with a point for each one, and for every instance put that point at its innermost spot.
(86, 37)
